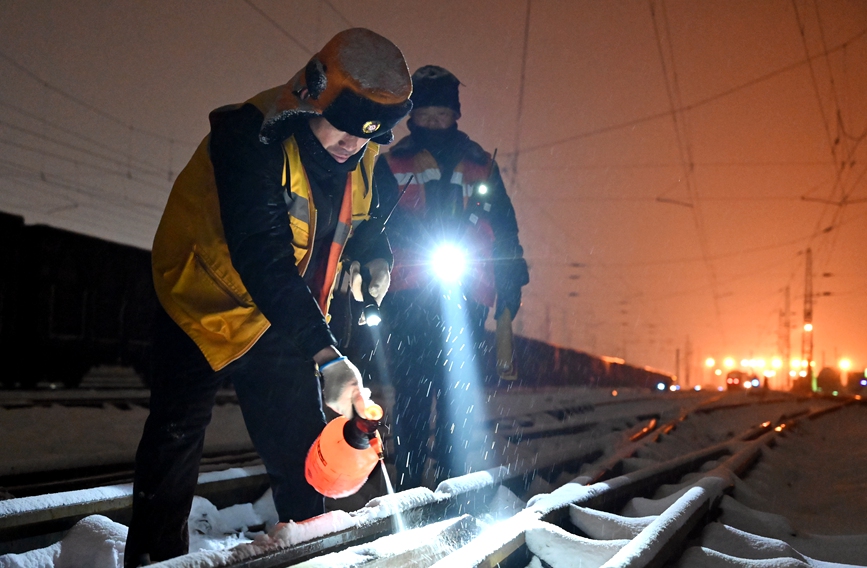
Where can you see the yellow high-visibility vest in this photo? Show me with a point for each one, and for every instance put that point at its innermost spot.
(193, 274)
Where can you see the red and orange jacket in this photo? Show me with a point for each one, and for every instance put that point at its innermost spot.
(433, 210)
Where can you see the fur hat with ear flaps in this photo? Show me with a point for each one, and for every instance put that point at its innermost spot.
(359, 82)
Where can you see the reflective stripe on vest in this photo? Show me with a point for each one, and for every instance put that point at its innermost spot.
(354, 209)
(410, 264)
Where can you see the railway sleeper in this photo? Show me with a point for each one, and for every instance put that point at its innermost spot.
(471, 495)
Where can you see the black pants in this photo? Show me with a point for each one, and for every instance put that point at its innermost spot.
(280, 399)
(433, 345)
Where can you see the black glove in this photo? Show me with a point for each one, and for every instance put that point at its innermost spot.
(510, 276)
(508, 299)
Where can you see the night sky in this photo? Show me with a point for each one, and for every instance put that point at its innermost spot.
(670, 162)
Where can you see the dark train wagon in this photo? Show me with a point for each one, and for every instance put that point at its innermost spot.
(543, 364)
(71, 302)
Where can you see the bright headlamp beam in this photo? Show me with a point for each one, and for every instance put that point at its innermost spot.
(373, 319)
(448, 263)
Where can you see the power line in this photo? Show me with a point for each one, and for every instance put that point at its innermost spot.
(82, 189)
(833, 141)
(43, 152)
(123, 163)
(697, 104)
(521, 85)
(92, 108)
(684, 146)
(73, 133)
(336, 11)
(282, 30)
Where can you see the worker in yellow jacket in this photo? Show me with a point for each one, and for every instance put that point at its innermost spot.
(245, 259)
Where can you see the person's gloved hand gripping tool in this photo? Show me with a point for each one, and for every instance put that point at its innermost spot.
(370, 282)
(341, 383)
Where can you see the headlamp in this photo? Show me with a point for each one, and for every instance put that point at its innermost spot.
(371, 314)
(449, 263)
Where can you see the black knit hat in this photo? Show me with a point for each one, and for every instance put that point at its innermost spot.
(435, 86)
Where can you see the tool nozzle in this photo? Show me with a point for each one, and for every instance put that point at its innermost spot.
(373, 412)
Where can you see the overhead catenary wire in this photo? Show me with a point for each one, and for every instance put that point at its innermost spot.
(123, 223)
(86, 190)
(338, 12)
(144, 164)
(280, 28)
(86, 105)
(45, 153)
(682, 137)
(699, 103)
(126, 165)
(825, 247)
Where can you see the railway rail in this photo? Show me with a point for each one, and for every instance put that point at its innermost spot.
(679, 485)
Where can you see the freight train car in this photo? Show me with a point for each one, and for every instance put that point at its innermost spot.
(543, 364)
(69, 302)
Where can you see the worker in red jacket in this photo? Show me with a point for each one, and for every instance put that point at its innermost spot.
(244, 263)
(450, 201)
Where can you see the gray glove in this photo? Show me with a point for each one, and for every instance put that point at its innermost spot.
(342, 384)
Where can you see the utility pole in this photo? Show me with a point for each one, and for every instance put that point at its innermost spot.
(807, 333)
(785, 340)
(687, 362)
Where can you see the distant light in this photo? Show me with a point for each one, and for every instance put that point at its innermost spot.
(710, 362)
(766, 424)
(834, 393)
(748, 385)
(803, 373)
(746, 363)
(674, 388)
(660, 386)
(614, 393)
(776, 363)
(779, 428)
(698, 387)
(483, 189)
(759, 363)
(803, 363)
(795, 363)
(864, 382)
(808, 327)
(770, 373)
(845, 364)
(719, 389)
(755, 382)
(793, 373)
(729, 363)
(718, 372)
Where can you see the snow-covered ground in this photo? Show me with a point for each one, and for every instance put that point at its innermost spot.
(810, 483)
